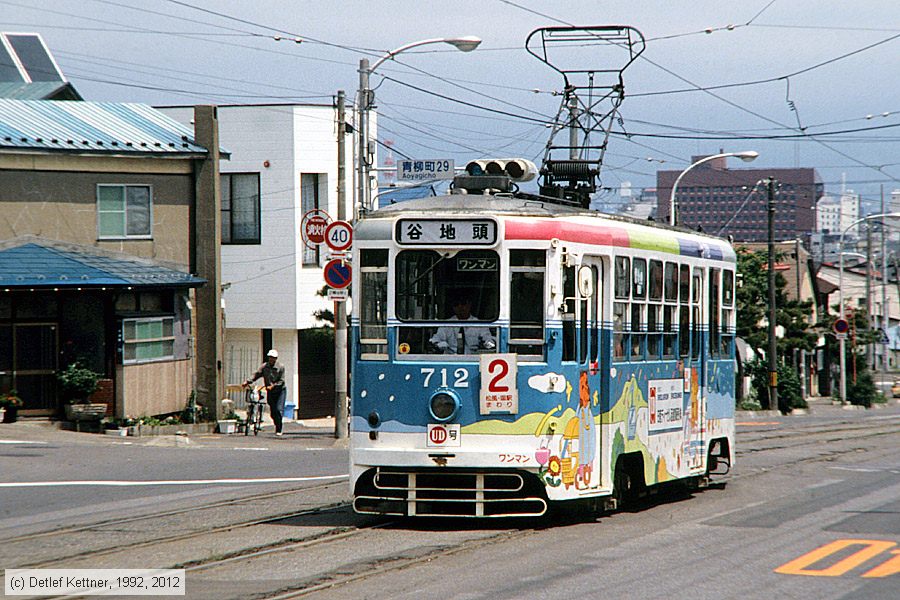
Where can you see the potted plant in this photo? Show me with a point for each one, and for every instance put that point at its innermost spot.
(10, 402)
(76, 384)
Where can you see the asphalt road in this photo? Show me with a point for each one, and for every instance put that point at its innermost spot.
(49, 476)
(812, 510)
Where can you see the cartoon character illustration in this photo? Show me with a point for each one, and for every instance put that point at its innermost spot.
(587, 434)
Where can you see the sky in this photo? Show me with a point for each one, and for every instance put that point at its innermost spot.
(820, 78)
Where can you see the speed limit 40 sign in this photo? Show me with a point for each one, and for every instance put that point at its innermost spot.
(339, 235)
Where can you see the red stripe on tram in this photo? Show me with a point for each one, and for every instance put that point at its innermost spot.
(568, 232)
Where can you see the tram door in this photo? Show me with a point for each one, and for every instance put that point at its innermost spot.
(701, 353)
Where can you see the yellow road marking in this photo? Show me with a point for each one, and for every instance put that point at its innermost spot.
(872, 548)
(888, 567)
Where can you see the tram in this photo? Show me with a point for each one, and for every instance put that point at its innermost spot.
(510, 352)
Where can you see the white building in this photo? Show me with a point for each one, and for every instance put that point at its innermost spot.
(836, 213)
(284, 162)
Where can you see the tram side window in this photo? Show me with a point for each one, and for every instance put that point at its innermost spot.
(568, 315)
(623, 271)
(714, 332)
(621, 337)
(727, 313)
(684, 311)
(526, 310)
(695, 314)
(669, 329)
(373, 304)
(639, 279)
(654, 335)
(620, 330)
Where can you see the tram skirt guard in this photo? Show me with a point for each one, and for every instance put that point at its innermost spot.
(448, 493)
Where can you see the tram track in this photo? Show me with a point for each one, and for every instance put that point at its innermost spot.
(59, 537)
(418, 546)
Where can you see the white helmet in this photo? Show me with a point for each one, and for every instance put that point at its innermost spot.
(273, 353)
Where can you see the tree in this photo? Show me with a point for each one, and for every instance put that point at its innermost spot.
(861, 389)
(792, 315)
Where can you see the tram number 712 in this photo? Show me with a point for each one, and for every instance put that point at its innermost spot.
(461, 376)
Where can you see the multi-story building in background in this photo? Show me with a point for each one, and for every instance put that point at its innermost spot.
(734, 202)
(835, 214)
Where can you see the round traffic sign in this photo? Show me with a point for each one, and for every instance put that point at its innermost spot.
(338, 273)
(339, 235)
(313, 227)
(841, 326)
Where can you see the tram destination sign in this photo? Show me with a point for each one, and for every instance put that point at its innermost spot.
(446, 232)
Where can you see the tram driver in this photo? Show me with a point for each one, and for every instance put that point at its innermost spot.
(462, 339)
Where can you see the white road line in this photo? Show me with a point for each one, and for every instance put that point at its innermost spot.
(19, 442)
(859, 469)
(114, 483)
(256, 449)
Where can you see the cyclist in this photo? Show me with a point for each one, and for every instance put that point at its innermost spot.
(272, 373)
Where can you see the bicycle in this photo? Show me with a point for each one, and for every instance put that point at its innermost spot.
(255, 408)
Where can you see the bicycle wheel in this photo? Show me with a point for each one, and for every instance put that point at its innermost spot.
(249, 419)
(257, 424)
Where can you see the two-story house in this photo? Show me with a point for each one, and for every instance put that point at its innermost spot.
(98, 239)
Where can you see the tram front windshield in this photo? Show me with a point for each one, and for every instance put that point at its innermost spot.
(436, 291)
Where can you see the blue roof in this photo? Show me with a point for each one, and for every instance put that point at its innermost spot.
(104, 127)
(39, 90)
(34, 262)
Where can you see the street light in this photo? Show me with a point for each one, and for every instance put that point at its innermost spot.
(841, 292)
(365, 100)
(746, 156)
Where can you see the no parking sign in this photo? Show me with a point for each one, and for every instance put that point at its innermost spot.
(338, 274)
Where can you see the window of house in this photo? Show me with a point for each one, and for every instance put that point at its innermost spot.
(240, 208)
(148, 339)
(124, 211)
(309, 201)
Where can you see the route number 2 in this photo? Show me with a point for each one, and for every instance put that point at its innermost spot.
(499, 393)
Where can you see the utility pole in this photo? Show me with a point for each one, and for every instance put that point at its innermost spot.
(340, 308)
(206, 262)
(362, 144)
(885, 312)
(773, 363)
(870, 317)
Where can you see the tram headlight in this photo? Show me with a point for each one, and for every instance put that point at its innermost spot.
(443, 405)
(374, 419)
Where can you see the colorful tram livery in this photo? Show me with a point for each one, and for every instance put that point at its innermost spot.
(595, 357)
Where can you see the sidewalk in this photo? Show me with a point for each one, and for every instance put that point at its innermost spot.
(305, 432)
(819, 406)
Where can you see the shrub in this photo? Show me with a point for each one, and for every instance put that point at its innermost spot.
(76, 383)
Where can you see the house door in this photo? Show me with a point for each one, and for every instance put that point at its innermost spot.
(28, 364)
